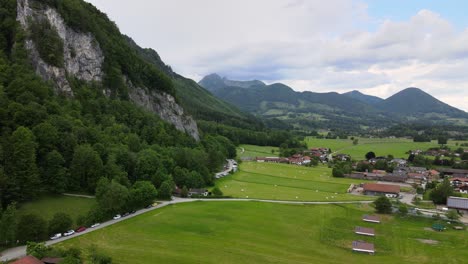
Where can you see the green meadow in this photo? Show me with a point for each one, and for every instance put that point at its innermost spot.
(46, 207)
(398, 147)
(286, 182)
(255, 232)
(257, 151)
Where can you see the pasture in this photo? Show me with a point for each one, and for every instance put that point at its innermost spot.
(255, 232)
(257, 151)
(47, 206)
(398, 147)
(287, 182)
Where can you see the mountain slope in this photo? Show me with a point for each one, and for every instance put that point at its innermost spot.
(413, 101)
(303, 110)
(199, 102)
(213, 82)
(369, 99)
(71, 42)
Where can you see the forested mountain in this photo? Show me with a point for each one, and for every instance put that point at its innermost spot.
(351, 111)
(81, 104)
(414, 102)
(369, 99)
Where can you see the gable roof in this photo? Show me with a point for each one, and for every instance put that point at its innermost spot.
(385, 188)
(371, 218)
(364, 231)
(363, 246)
(28, 260)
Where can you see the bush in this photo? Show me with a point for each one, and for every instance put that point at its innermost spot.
(383, 205)
(60, 222)
(217, 192)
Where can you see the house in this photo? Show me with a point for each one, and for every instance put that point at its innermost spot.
(416, 177)
(27, 260)
(399, 162)
(449, 171)
(272, 159)
(364, 231)
(457, 203)
(381, 189)
(201, 192)
(371, 218)
(458, 181)
(394, 178)
(418, 170)
(361, 246)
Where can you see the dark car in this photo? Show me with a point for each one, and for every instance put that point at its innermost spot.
(126, 214)
(80, 229)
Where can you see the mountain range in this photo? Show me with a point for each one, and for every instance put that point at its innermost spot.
(310, 110)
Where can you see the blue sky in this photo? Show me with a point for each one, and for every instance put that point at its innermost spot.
(454, 11)
(376, 47)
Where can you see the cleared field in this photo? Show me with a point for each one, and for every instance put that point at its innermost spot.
(287, 182)
(381, 146)
(257, 151)
(46, 207)
(253, 232)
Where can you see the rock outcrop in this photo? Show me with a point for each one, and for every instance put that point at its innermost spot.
(83, 59)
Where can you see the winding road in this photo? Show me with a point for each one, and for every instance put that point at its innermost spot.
(18, 252)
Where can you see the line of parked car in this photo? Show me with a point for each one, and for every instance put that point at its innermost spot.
(71, 231)
(82, 228)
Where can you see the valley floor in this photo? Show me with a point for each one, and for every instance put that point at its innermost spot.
(254, 232)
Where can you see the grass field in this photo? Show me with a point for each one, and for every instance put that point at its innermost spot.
(254, 232)
(286, 182)
(381, 146)
(256, 151)
(46, 207)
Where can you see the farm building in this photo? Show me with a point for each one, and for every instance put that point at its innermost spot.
(457, 203)
(371, 218)
(381, 189)
(364, 231)
(361, 246)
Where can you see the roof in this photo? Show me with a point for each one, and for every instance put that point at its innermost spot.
(384, 188)
(417, 168)
(459, 179)
(363, 246)
(371, 218)
(457, 202)
(364, 231)
(416, 175)
(449, 170)
(28, 260)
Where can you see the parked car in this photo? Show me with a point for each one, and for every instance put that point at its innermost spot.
(126, 214)
(80, 229)
(95, 225)
(56, 236)
(132, 212)
(69, 233)
(117, 217)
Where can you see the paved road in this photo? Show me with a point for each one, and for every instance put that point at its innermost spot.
(18, 252)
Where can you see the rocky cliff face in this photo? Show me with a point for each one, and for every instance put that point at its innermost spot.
(83, 59)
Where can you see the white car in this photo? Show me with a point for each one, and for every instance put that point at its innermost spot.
(95, 225)
(56, 236)
(69, 233)
(117, 217)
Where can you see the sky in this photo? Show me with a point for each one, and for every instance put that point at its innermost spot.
(377, 47)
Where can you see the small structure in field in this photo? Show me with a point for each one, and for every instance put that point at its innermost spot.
(438, 227)
(364, 231)
(361, 246)
(371, 218)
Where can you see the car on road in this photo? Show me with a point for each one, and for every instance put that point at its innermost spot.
(80, 229)
(69, 233)
(126, 214)
(56, 236)
(117, 217)
(95, 225)
(132, 212)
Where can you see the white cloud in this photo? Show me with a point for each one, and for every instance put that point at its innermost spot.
(310, 45)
